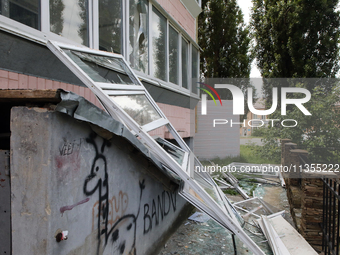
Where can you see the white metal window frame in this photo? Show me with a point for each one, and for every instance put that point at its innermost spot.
(43, 35)
(115, 89)
(197, 68)
(219, 212)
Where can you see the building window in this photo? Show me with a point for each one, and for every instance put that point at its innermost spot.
(159, 42)
(69, 18)
(173, 55)
(24, 11)
(110, 25)
(194, 69)
(134, 28)
(185, 60)
(138, 43)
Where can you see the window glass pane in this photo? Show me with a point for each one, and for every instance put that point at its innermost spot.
(185, 59)
(110, 25)
(176, 153)
(103, 69)
(210, 189)
(138, 35)
(69, 18)
(173, 55)
(24, 11)
(159, 42)
(138, 108)
(194, 70)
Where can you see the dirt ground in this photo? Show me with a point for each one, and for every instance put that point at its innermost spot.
(210, 238)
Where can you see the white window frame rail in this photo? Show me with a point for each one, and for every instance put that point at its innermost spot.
(221, 213)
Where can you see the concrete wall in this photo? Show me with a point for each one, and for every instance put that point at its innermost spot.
(219, 141)
(5, 204)
(105, 193)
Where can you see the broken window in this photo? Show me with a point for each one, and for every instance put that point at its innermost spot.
(138, 45)
(176, 153)
(101, 69)
(134, 107)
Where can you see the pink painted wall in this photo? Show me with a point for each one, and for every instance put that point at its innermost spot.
(11, 80)
(178, 116)
(177, 10)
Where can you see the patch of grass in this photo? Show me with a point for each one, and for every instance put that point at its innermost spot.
(249, 137)
(247, 155)
(230, 192)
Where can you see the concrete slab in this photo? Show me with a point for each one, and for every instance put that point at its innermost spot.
(294, 242)
(5, 204)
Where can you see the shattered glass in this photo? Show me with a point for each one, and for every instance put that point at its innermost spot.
(102, 69)
(176, 153)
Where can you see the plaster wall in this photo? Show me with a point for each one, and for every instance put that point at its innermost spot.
(108, 196)
(222, 140)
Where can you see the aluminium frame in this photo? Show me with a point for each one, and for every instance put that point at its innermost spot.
(221, 213)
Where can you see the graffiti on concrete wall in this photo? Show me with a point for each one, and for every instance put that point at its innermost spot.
(116, 233)
(159, 208)
(117, 208)
(68, 160)
(116, 227)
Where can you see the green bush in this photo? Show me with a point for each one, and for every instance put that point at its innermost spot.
(258, 132)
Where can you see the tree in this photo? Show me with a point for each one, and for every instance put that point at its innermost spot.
(319, 133)
(224, 40)
(296, 38)
(299, 39)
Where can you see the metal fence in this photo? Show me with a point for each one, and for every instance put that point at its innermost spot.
(330, 216)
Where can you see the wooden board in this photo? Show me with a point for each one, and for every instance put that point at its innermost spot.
(27, 95)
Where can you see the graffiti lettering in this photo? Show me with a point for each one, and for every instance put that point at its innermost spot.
(159, 209)
(68, 148)
(117, 208)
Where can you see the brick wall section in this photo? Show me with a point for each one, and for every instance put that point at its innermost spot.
(305, 195)
(11, 80)
(177, 10)
(178, 116)
(312, 209)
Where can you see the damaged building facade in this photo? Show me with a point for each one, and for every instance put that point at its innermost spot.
(97, 109)
(130, 207)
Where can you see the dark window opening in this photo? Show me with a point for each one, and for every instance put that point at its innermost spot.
(26, 12)
(5, 130)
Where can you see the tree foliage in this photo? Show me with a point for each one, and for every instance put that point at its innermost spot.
(296, 38)
(224, 40)
(319, 133)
